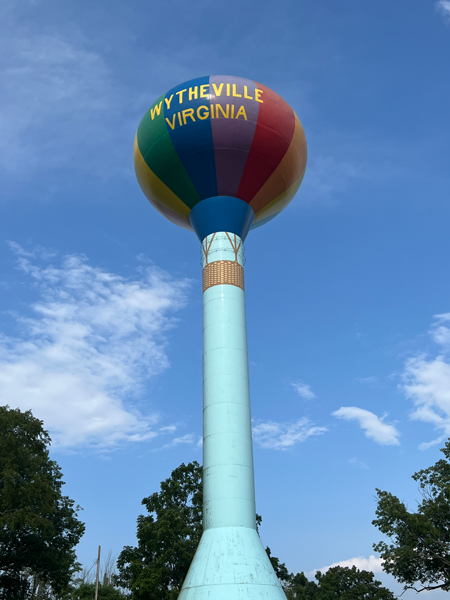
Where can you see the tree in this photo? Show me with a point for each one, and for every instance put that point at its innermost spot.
(167, 538)
(419, 552)
(338, 582)
(39, 528)
(299, 588)
(280, 568)
(351, 584)
(86, 591)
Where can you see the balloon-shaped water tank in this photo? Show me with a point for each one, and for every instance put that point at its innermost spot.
(220, 153)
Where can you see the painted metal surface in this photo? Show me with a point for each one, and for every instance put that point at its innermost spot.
(220, 136)
(221, 213)
(230, 563)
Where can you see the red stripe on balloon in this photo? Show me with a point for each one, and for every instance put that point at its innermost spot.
(273, 135)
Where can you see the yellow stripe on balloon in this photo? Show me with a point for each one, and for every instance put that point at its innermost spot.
(154, 189)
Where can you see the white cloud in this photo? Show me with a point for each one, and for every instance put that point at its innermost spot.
(443, 7)
(84, 355)
(374, 427)
(426, 381)
(427, 384)
(281, 436)
(440, 331)
(303, 390)
(360, 562)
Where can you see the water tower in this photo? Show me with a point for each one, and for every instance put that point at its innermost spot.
(220, 156)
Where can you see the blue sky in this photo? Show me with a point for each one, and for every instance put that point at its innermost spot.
(348, 300)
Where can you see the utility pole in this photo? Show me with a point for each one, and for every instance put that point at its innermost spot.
(98, 570)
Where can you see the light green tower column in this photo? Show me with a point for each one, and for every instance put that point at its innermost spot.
(230, 562)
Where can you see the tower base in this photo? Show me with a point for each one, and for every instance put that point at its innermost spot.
(231, 564)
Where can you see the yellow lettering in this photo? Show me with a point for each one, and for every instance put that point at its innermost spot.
(193, 93)
(232, 111)
(179, 119)
(258, 94)
(245, 94)
(240, 112)
(235, 94)
(156, 110)
(212, 111)
(217, 91)
(205, 115)
(204, 90)
(171, 125)
(228, 89)
(180, 95)
(226, 115)
(168, 101)
(188, 112)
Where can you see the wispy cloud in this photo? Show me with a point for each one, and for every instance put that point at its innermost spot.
(326, 175)
(52, 90)
(190, 439)
(303, 390)
(86, 352)
(440, 330)
(281, 436)
(443, 7)
(373, 427)
(427, 382)
(360, 562)
(367, 380)
(358, 463)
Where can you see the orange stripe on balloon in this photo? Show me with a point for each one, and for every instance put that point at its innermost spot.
(277, 205)
(291, 167)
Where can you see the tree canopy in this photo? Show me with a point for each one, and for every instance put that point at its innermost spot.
(350, 584)
(39, 528)
(418, 554)
(86, 591)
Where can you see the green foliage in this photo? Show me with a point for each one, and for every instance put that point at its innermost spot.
(86, 591)
(338, 582)
(299, 588)
(419, 551)
(280, 568)
(39, 528)
(351, 584)
(167, 538)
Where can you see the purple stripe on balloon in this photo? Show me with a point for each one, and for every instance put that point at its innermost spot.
(232, 137)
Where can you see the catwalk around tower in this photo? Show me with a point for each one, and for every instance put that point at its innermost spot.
(221, 155)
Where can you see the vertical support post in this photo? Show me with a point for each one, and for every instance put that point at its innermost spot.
(230, 562)
(228, 479)
(98, 571)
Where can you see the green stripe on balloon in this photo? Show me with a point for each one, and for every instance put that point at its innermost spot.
(159, 153)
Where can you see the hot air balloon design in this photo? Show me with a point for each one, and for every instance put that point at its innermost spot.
(220, 153)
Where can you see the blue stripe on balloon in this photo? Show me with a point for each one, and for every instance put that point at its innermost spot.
(192, 139)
